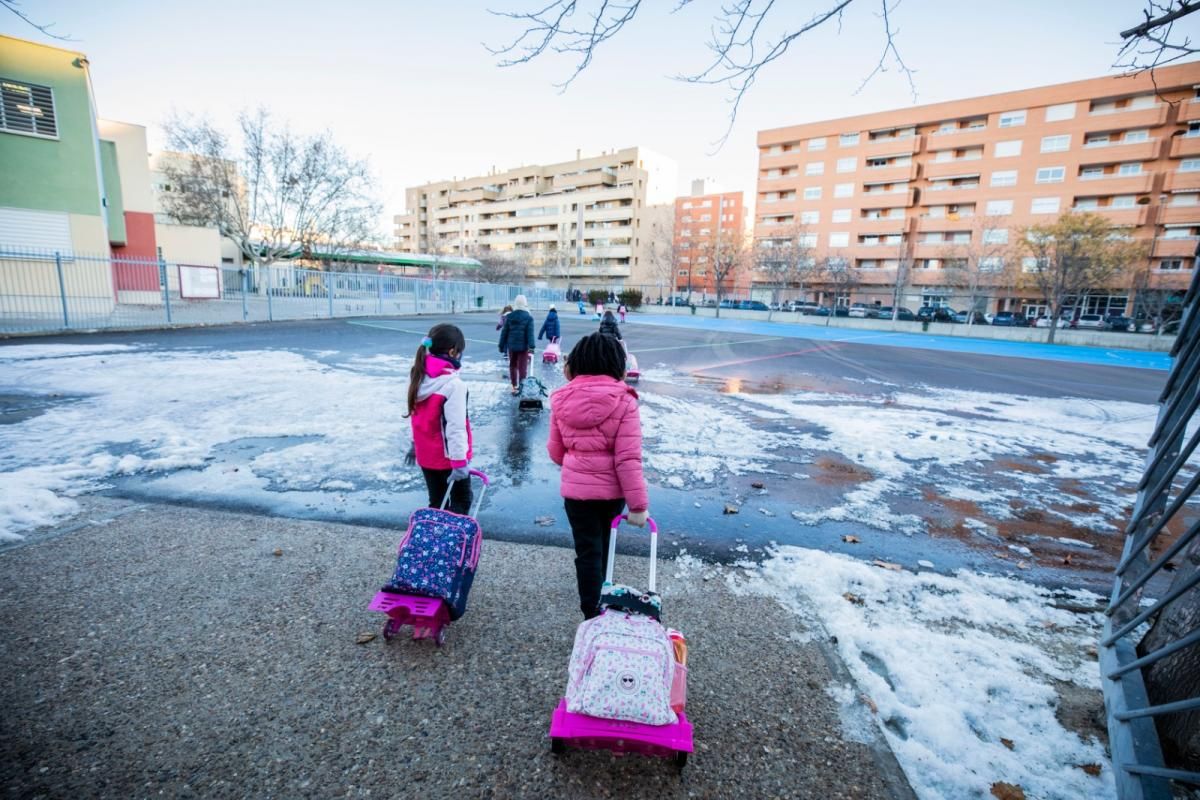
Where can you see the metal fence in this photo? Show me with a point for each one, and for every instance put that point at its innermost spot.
(1150, 651)
(46, 291)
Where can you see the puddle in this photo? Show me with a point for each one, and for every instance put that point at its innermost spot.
(16, 408)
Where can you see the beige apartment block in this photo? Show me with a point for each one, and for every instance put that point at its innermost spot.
(923, 185)
(578, 223)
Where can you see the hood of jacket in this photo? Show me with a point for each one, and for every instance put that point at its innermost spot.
(589, 400)
(438, 372)
(519, 315)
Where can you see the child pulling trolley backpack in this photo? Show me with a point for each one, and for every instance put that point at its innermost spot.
(434, 571)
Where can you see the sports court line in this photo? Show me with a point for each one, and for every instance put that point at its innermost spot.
(409, 330)
(709, 344)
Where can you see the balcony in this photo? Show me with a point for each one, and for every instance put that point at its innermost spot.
(881, 226)
(604, 214)
(767, 160)
(473, 195)
(959, 168)
(901, 199)
(1185, 146)
(1119, 151)
(906, 145)
(1175, 248)
(1189, 110)
(889, 174)
(1175, 215)
(923, 250)
(609, 251)
(590, 178)
(947, 222)
(1111, 184)
(1121, 120)
(1182, 181)
(1122, 216)
(963, 137)
(615, 232)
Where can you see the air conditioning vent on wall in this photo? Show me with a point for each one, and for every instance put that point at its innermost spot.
(27, 108)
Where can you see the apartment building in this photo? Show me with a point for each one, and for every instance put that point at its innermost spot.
(574, 223)
(702, 219)
(922, 186)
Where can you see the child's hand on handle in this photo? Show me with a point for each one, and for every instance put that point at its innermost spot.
(637, 518)
(462, 473)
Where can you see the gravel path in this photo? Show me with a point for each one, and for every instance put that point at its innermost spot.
(167, 651)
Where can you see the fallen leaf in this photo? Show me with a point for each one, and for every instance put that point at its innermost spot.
(887, 565)
(848, 539)
(1090, 769)
(1007, 791)
(731, 509)
(363, 638)
(869, 703)
(278, 552)
(759, 485)
(853, 598)
(1007, 743)
(544, 521)
(1022, 565)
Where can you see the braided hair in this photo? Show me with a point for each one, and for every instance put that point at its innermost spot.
(597, 354)
(443, 338)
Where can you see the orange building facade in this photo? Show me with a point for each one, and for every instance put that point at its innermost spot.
(702, 220)
(904, 191)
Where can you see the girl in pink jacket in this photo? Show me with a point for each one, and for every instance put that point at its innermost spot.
(437, 407)
(596, 437)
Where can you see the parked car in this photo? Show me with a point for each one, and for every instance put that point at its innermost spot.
(775, 306)
(1044, 322)
(1093, 321)
(936, 314)
(1119, 322)
(753, 305)
(962, 318)
(859, 310)
(812, 309)
(841, 311)
(1010, 319)
(885, 312)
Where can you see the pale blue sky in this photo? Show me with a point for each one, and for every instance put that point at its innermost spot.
(409, 85)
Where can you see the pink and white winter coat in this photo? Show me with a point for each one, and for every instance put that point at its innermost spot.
(440, 426)
(596, 436)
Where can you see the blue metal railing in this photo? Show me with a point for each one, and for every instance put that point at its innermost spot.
(1137, 658)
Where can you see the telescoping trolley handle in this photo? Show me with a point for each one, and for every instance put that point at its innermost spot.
(612, 549)
(475, 506)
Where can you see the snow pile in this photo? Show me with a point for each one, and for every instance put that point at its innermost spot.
(955, 665)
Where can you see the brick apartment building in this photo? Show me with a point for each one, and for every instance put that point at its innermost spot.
(534, 213)
(701, 220)
(918, 185)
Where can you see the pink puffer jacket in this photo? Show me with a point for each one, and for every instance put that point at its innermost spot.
(596, 436)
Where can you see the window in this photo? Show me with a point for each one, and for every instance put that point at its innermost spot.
(1123, 201)
(995, 235)
(848, 140)
(1007, 177)
(1009, 148)
(991, 264)
(1012, 119)
(999, 207)
(1030, 264)
(775, 150)
(843, 190)
(1185, 199)
(812, 192)
(807, 240)
(1091, 173)
(27, 108)
(816, 144)
(1178, 233)
(1086, 203)
(1190, 165)
(847, 164)
(841, 215)
(1056, 144)
(810, 217)
(1131, 168)
(814, 168)
(1044, 205)
(1060, 112)
(1171, 263)
(839, 240)
(1136, 136)
(683, 272)
(1050, 175)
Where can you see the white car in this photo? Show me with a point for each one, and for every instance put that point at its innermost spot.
(1044, 322)
(1089, 321)
(858, 310)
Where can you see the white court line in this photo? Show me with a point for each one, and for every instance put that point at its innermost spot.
(409, 330)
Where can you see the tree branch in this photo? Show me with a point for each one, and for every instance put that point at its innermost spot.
(11, 5)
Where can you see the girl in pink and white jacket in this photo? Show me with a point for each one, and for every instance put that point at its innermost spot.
(596, 436)
(437, 407)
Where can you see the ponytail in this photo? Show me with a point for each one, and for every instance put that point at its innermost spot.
(442, 338)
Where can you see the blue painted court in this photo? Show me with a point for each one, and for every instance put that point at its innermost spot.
(1110, 357)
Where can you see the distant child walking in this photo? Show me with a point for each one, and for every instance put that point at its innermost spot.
(550, 328)
(437, 408)
(596, 437)
(609, 327)
(622, 310)
(516, 339)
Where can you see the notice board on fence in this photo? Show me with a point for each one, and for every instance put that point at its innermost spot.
(199, 283)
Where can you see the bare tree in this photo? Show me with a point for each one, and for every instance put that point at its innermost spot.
(663, 254)
(1155, 42)
(786, 259)
(41, 27)
(505, 266)
(728, 257)
(900, 280)
(842, 276)
(274, 193)
(976, 267)
(1074, 255)
(1152, 301)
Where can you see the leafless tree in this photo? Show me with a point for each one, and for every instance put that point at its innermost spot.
(274, 193)
(1155, 42)
(663, 254)
(976, 267)
(41, 27)
(1074, 255)
(786, 259)
(506, 266)
(842, 276)
(1152, 301)
(728, 256)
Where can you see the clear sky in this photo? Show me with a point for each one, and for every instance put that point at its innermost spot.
(409, 85)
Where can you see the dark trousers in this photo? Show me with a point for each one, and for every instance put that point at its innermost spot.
(460, 496)
(591, 526)
(518, 366)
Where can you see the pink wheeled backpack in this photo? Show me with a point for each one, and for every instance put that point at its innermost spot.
(552, 353)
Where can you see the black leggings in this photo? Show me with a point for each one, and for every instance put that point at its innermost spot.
(460, 496)
(591, 526)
